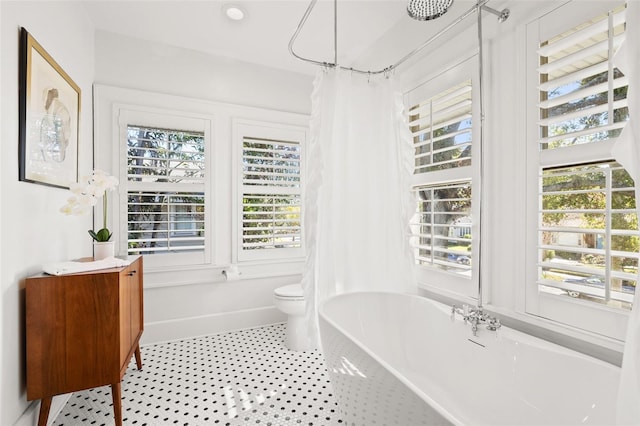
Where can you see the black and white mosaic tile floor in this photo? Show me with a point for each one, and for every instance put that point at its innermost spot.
(245, 377)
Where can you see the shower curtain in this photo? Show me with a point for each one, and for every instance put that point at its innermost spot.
(358, 204)
(627, 153)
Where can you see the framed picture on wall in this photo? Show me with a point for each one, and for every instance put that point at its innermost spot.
(49, 104)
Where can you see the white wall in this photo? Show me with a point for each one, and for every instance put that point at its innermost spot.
(33, 231)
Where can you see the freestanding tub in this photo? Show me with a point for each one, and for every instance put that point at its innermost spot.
(396, 359)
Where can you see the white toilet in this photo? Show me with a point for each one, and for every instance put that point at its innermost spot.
(289, 299)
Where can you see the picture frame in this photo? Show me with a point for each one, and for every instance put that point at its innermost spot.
(49, 114)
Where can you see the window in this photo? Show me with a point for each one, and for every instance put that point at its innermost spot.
(441, 122)
(589, 233)
(586, 225)
(441, 128)
(165, 178)
(583, 96)
(200, 188)
(271, 191)
(443, 229)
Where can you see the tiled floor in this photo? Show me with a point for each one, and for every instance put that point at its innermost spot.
(245, 377)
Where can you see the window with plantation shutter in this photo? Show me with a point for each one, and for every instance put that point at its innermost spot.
(271, 192)
(440, 116)
(442, 233)
(587, 239)
(165, 175)
(441, 126)
(200, 188)
(441, 129)
(583, 95)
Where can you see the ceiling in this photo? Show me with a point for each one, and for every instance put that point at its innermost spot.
(263, 37)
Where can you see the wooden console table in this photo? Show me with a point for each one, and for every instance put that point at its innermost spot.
(82, 330)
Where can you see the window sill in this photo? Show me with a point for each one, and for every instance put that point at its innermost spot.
(174, 276)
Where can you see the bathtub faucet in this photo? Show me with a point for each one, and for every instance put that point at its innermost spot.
(475, 316)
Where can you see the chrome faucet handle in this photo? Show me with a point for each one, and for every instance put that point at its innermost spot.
(494, 324)
(474, 327)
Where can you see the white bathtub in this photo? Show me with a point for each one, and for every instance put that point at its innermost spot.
(399, 360)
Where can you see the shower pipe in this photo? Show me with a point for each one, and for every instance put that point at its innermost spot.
(480, 146)
(481, 5)
(503, 15)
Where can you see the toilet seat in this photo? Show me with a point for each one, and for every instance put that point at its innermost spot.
(290, 292)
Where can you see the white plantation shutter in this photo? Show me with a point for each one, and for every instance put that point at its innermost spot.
(441, 233)
(587, 230)
(589, 237)
(165, 222)
(442, 129)
(271, 221)
(271, 163)
(583, 96)
(177, 156)
(165, 190)
(271, 182)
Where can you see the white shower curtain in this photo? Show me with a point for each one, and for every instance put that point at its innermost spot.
(357, 205)
(627, 153)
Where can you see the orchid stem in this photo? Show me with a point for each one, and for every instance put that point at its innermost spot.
(104, 210)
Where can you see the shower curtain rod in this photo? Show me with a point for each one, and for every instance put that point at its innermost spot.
(481, 4)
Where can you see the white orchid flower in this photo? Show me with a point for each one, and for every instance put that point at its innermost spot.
(85, 197)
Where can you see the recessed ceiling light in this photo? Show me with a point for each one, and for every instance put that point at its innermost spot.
(234, 12)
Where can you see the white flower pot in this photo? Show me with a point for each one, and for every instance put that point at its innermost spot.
(103, 250)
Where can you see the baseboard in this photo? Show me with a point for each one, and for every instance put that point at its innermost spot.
(30, 415)
(186, 328)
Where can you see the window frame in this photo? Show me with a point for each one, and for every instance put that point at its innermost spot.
(173, 120)
(432, 278)
(109, 100)
(587, 316)
(242, 128)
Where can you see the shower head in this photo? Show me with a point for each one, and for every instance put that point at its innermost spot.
(426, 10)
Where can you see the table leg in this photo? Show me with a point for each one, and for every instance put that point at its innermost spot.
(117, 402)
(138, 357)
(45, 406)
